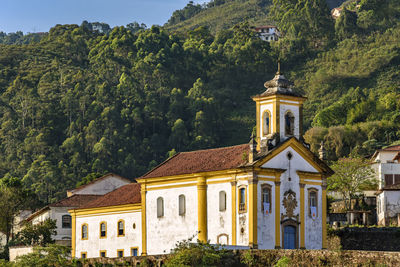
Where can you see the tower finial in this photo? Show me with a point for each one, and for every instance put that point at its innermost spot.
(279, 67)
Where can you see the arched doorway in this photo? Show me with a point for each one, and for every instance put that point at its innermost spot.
(289, 237)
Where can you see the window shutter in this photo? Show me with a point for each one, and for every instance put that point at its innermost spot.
(222, 201)
(397, 178)
(388, 179)
(160, 207)
(182, 205)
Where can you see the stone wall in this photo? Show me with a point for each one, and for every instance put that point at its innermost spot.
(369, 238)
(271, 257)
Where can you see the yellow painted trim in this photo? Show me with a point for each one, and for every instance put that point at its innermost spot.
(119, 250)
(302, 217)
(324, 234)
(123, 223)
(187, 177)
(87, 229)
(276, 119)
(137, 251)
(105, 223)
(73, 236)
(105, 253)
(309, 175)
(127, 207)
(245, 198)
(253, 213)
(83, 252)
(219, 182)
(202, 208)
(170, 186)
(144, 222)
(266, 179)
(277, 213)
(233, 184)
(106, 213)
(301, 120)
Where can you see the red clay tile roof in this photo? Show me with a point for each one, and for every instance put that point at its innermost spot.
(391, 148)
(216, 159)
(127, 194)
(75, 201)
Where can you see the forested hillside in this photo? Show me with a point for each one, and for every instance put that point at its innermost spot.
(81, 101)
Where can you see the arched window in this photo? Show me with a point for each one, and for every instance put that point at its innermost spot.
(182, 205)
(266, 123)
(84, 231)
(289, 123)
(312, 202)
(103, 230)
(222, 201)
(66, 221)
(266, 199)
(121, 228)
(242, 199)
(160, 207)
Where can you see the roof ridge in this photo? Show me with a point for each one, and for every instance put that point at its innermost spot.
(98, 179)
(162, 163)
(215, 148)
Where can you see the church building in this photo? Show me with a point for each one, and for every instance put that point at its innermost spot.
(270, 193)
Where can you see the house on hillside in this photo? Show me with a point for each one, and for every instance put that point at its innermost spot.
(269, 193)
(336, 12)
(386, 162)
(76, 198)
(267, 33)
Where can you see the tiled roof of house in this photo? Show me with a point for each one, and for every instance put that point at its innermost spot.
(216, 159)
(74, 201)
(391, 148)
(127, 194)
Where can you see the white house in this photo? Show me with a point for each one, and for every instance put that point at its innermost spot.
(268, 194)
(76, 198)
(267, 33)
(386, 163)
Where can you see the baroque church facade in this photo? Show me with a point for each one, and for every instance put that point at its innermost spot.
(270, 193)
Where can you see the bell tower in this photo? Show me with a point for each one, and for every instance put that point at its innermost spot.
(279, 112)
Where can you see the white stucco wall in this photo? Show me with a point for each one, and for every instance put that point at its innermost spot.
(384, 156)
(219, 222)
(265, 223)
(391, 203)
(112, 243)
(102, 186)
(163, 233)
(313, 228)
(55, 213)
(385, 168)
(294, 108)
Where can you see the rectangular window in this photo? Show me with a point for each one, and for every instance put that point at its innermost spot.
(103, 253)
(242, 199)
(266, 199)
(84, 231)
(121, 228)
(312, 203)
(134, 251)
(120, 253)
(103, 230)
(66, 221)
(83, 255)
(160, 207)
(388, 179)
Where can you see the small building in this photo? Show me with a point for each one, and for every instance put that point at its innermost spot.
(386, 162)
(267, 33)
(76, 198)
(269, 193)
(336, 12)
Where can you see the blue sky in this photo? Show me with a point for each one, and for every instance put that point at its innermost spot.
(41, 15)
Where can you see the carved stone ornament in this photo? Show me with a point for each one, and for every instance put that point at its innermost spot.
(290, 203)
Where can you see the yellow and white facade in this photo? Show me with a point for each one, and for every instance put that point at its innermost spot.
(266, 195)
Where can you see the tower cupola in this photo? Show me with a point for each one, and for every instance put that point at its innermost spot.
(279, 112)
